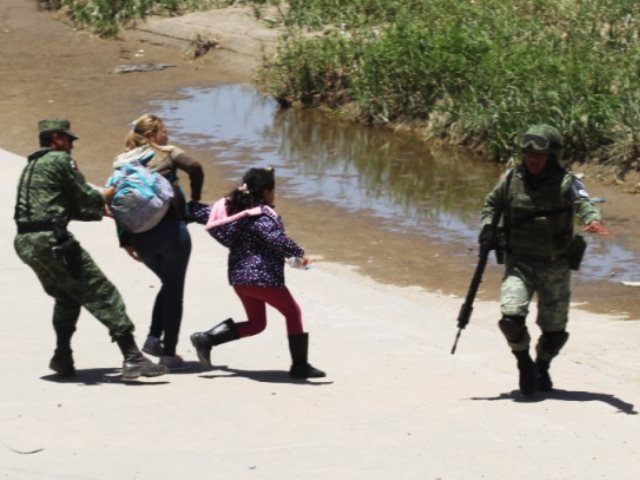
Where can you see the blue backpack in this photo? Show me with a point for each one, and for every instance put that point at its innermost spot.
(142, 197)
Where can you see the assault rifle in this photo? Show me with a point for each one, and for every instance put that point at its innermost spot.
(485, 248)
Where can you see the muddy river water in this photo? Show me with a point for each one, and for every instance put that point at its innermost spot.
(386, 203)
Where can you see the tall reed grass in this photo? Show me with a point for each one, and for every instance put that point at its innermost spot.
(474, 73)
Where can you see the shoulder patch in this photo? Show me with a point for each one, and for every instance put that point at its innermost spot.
(64, 158)
(578, 189)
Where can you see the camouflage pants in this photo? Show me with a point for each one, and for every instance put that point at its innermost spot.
(549, 280)
(92, 290)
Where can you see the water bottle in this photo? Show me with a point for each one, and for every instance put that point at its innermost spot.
(296, 262)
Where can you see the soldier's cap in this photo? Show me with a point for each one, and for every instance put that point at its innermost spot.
(56, 125)
(541, 138)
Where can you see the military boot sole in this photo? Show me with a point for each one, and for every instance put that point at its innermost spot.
(63, 368)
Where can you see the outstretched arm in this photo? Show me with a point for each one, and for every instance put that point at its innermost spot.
(586, 210)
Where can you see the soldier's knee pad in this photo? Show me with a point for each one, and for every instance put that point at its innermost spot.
(552, 342)
(512, 328)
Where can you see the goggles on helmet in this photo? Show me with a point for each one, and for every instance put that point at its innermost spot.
(535, 143)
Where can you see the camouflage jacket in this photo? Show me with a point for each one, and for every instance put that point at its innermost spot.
(538, 214)
(51, 186)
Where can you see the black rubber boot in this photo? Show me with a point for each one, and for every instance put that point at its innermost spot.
(299, 348)
(544, 379)
(62, 362)
(224, 332)
(549, 345)
(135, 364)
(528, 373)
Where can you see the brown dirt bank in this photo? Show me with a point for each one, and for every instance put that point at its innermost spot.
(49, 69)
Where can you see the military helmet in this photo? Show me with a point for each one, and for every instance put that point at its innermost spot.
(56, 125)
(543, 138)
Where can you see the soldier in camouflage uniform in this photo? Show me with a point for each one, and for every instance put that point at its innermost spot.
(537, 200)
(51, 192)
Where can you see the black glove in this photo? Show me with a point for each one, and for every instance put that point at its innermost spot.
(488, 236)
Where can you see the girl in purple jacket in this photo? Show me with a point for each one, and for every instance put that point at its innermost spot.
(246, 223)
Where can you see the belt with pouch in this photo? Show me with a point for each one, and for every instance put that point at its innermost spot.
(539, 258)
(35, 227)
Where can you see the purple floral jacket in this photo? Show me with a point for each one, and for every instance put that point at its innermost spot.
(258, 246)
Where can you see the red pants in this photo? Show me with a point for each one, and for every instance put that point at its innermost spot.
(254, 300)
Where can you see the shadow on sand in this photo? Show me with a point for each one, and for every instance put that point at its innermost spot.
(101, 376)
(187, 367)
(268, 376)
(567, 396)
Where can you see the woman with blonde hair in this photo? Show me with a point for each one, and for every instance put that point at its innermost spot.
(165, 248)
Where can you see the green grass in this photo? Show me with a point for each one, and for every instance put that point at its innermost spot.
(473, 73)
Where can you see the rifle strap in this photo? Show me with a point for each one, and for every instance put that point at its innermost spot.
(27, 172)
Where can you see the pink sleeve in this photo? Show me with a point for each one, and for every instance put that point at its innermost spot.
(219, 215)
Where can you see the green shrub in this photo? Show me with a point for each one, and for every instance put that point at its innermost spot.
(477, 73)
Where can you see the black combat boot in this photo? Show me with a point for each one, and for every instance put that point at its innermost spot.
(62, 362)
(224, 332)
(549, 345)
(299, 348)
(528, 372)
(135, 364)
(544, 379)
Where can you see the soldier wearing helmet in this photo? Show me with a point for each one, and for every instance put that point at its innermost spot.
(538, 200)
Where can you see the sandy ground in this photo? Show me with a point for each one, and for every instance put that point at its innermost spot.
(395, 402)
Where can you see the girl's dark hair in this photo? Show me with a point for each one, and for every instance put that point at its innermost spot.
(256, 182)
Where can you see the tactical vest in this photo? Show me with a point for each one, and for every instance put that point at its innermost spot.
(539, 221)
